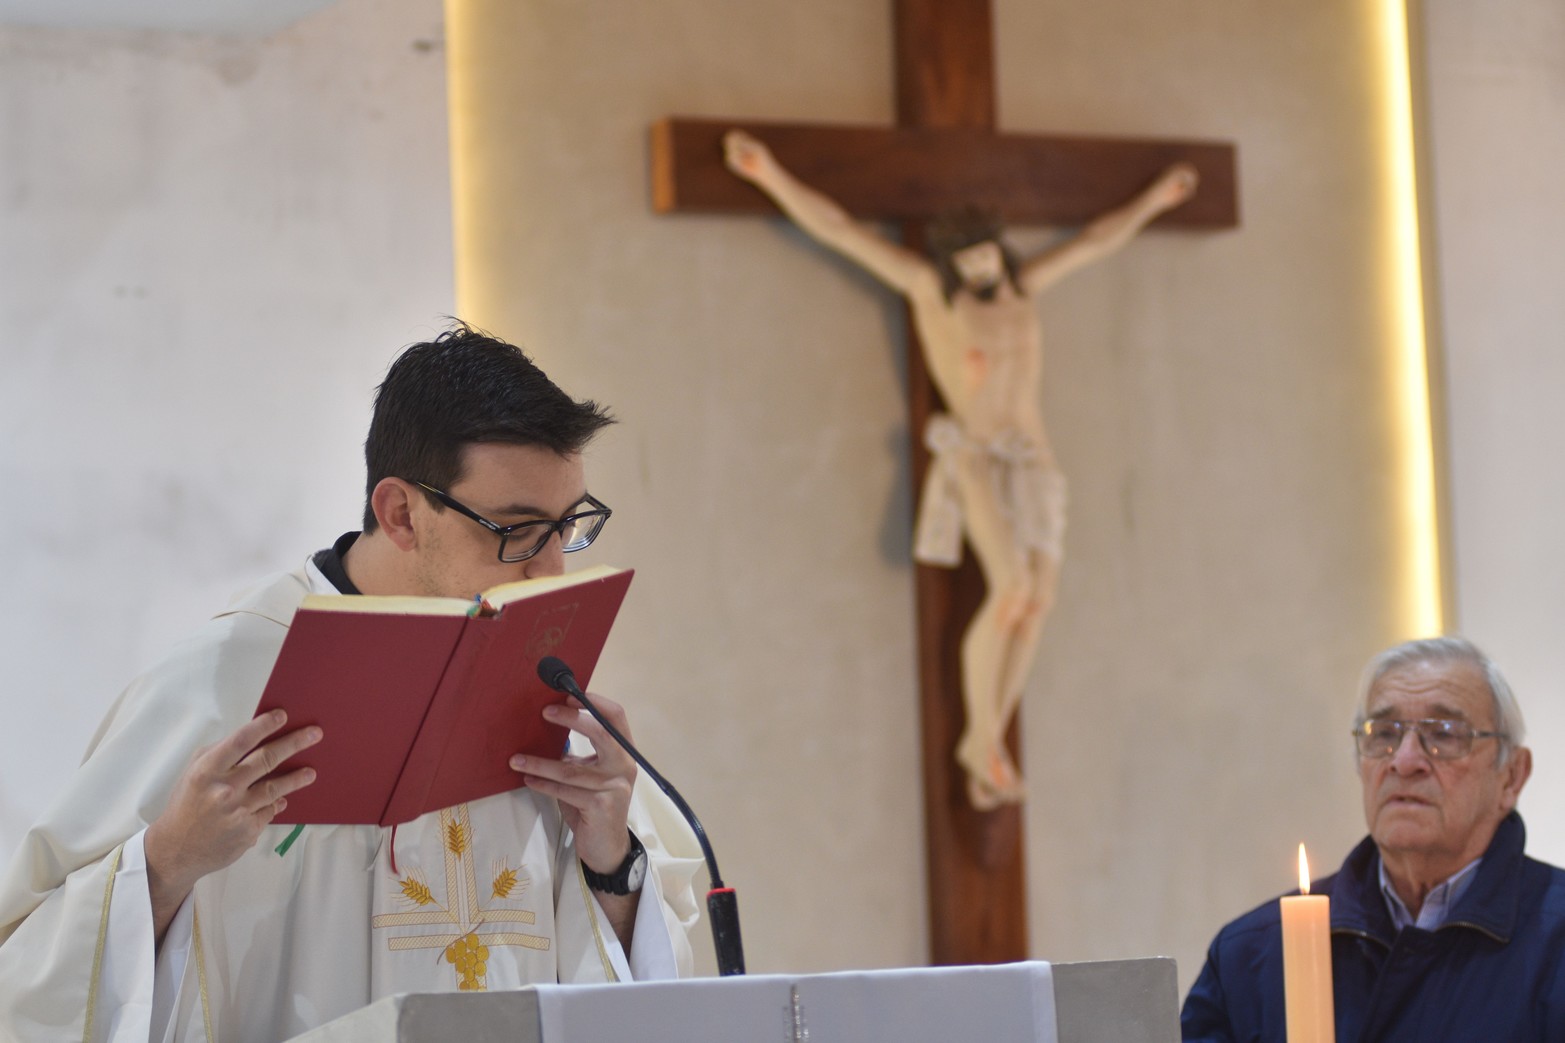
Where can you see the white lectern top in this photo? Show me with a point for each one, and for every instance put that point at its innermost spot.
(1128, 1001)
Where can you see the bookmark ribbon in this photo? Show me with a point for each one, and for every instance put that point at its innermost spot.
(282, 849)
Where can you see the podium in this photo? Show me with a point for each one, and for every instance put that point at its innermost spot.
(1119, 1001)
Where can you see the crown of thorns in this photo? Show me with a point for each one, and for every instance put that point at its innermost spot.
(960, 228)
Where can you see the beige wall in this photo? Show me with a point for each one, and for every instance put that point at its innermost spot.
(1221, 403)
(758, 478)
(1218, 399)
(1497, 102)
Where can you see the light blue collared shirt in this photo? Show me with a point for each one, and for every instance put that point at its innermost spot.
(1437, 904)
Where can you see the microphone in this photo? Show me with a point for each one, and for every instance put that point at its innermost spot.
(722, 903)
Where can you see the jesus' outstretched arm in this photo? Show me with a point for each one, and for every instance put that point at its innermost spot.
(823, 220)
(1110, 231)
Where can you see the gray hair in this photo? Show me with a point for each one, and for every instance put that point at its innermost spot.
(1438, 650)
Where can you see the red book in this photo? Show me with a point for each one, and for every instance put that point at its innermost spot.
(424, 701)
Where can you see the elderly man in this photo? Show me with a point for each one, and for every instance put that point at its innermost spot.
(1441, 928)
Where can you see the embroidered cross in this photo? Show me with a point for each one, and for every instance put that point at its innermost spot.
(472, 928)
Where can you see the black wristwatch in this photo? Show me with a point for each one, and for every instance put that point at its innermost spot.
(624, 880)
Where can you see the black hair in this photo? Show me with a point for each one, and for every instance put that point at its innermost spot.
(466, 387)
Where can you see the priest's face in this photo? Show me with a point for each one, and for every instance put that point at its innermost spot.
(1442, 813)
(507, 484)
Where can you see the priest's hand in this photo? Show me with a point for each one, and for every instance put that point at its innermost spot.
(219, 807)
(594, 795)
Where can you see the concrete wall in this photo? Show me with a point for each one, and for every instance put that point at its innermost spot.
(1496, 79)
(210, 251)
(212, 248)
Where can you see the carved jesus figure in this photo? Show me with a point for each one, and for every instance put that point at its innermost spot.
(992, 474)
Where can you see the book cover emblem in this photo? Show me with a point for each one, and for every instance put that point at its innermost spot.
(549, 631)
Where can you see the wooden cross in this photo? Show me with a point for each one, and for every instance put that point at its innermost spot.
(944, 153)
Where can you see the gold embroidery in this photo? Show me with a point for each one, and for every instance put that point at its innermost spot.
(491, 938)
(439, 915)
(471, 959)
(200, 955)
(463, 943)
(416, 891)
(609, 973)
(103, 933)
(505, 881)
(524, 941)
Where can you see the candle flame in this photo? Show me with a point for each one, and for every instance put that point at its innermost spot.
(1304, 872)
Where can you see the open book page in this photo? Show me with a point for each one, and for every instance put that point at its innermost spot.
(412, 605)
(506, 593)
(407, 605)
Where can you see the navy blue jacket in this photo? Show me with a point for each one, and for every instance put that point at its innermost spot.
(1494, 971)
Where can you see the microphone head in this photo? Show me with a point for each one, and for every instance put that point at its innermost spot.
(554, 673)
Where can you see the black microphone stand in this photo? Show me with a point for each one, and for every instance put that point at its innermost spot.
(722, 903)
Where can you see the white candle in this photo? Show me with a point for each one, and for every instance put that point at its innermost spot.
(1306, 963)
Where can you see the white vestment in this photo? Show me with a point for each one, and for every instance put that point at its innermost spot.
(483, 895)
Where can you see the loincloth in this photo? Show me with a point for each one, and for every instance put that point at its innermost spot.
(1029, 489)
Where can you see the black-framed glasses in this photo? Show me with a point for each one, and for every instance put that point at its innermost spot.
(1443, 740)
(521, 541)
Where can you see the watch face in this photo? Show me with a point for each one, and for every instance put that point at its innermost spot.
(638, 872)
(625, 880)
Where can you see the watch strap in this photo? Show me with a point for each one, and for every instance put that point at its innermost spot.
(620, 881)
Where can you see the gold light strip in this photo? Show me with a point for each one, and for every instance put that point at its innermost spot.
(461, 110)
(1423, 606)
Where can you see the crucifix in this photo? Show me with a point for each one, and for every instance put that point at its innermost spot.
(945, 153)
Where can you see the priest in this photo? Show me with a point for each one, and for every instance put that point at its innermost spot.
(156, 901)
